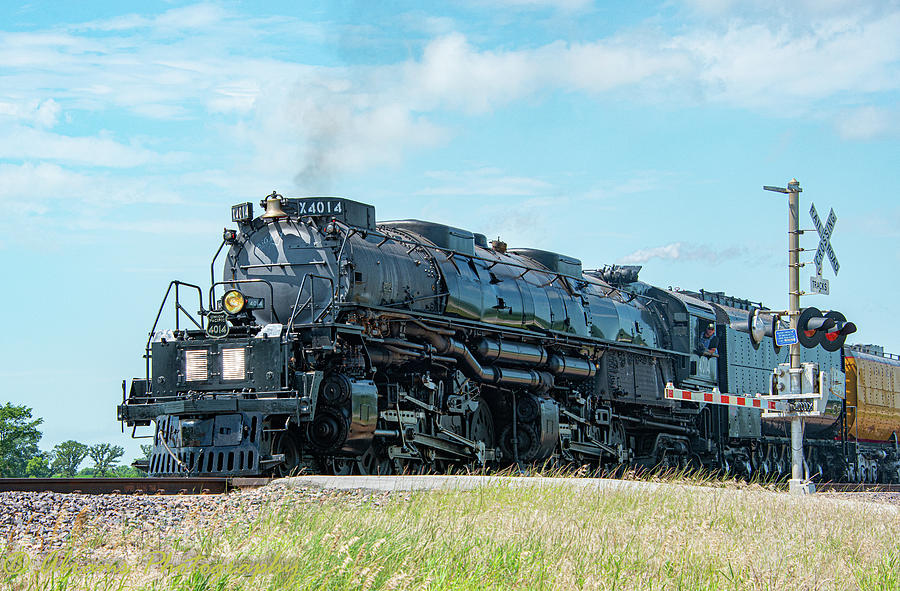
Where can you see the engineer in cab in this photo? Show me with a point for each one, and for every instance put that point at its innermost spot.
(708, 342)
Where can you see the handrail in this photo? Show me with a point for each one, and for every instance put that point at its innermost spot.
(212, 270)
(337, 267)
(859, 348)
(212, 289)
(178, 308)
(312, 299)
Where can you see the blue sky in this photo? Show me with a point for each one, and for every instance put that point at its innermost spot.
(614, 132)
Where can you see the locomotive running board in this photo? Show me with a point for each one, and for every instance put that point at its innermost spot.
(758, 402)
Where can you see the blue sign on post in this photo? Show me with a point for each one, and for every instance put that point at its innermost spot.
(786, 336)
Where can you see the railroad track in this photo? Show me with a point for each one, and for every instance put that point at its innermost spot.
(134, 486)
(851, 487)
(214, 485)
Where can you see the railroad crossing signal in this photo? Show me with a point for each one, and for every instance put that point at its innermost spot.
(811, 327)
(824, 240)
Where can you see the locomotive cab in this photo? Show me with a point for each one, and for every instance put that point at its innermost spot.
(688, 317)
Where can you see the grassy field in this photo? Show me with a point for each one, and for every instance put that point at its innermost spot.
(504, 537)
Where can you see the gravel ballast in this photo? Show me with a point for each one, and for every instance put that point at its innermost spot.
(39, 523)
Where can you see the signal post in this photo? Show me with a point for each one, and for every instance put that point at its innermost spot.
(827, 329)
(797, 484)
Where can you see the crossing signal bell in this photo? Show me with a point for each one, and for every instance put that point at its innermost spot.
(828, 329)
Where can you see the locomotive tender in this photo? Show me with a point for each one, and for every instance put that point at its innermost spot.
(337, 344)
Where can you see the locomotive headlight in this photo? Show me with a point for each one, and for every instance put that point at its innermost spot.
(233, 302)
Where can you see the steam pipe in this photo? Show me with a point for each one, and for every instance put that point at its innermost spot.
(523, 353)
(473, 369)
(571, 366)
(391, 355)
(491, 350)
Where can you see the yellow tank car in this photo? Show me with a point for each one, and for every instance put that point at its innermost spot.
(873, 393)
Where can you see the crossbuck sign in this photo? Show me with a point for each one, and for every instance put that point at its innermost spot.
(824, 240)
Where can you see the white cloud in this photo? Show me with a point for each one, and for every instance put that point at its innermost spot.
(234, 96)
(779, 11)
(196, 16)
(602, 66)
(39, 184)
(451, 72)
(684, 252)
(561, 5)
(172, 227)
(759, 65)
(283, 118)
(41, 113)
(25, 143)
(753, 64)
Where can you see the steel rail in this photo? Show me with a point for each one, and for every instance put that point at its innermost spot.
(147, 486)
(857, 487)
(218, 485)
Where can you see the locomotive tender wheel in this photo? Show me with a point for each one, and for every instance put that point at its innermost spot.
(820, 470)
(761, 465)
(850, 472)
(782, 466)
(725, 467)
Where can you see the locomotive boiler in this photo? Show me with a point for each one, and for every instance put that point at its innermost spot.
(335, 343)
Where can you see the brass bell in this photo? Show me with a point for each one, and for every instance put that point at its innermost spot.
(273, 207)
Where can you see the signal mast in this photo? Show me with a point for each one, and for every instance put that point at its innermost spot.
(808, 328)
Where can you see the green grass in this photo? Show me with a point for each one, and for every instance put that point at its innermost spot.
(504, 537)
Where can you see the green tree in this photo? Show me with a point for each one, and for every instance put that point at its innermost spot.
(127, 472)
(67, 456)
(38, 467)
(19, 437)
(105, 457)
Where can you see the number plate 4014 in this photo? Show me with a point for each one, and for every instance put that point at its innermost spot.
(216, 325)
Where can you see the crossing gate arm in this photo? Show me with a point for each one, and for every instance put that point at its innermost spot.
(757, 401)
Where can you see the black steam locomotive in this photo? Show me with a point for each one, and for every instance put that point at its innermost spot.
(335, 344)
